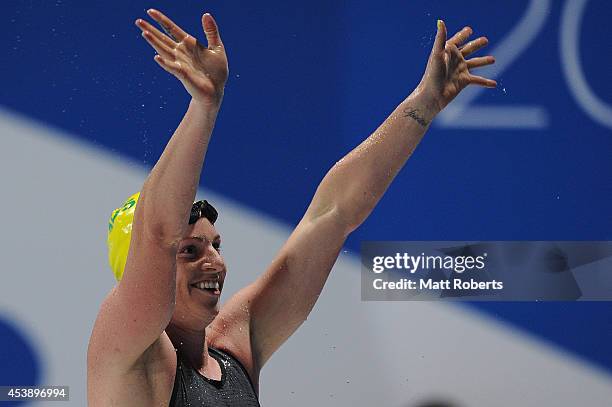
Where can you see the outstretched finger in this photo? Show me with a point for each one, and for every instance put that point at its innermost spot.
(474, 46)
(460, 37)
(479, 80)
(440, 40)
(161, 48)
(480, 61)
(171, 67)
(146, 26)
(211, 30)
(173, 30)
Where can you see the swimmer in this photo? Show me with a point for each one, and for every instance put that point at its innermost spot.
(161, 337)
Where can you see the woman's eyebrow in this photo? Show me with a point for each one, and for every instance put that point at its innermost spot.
(202, 238)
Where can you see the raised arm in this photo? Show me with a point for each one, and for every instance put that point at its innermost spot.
(140, 307)
(357, 182)
(283, 296)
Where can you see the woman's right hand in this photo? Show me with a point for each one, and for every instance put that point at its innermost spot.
(202, 70)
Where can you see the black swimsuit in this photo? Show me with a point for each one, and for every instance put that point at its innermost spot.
(194, 390)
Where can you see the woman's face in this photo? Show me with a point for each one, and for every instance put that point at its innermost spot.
(200, 273)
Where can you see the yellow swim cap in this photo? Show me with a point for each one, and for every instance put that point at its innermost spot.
(119, 235)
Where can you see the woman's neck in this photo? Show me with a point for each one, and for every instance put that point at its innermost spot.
(190, 343)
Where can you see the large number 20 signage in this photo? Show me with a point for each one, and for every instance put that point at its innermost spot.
(464, 114)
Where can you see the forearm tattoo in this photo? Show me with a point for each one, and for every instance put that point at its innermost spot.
(414, 114)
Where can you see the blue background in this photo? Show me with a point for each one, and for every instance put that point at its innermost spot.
(308, 82)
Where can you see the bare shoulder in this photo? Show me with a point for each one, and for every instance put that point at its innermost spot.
(230, 332)
(149, 382)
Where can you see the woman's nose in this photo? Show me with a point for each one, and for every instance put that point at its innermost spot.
(211, 266)
(213, 262)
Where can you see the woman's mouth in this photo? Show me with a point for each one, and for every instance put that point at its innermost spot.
(208, 286)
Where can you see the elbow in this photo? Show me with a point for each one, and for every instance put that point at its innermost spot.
(346, 217)
(163, 236)
(351, 219)
(349, 202)
(152, 218)
(355, 209)
(347, 214)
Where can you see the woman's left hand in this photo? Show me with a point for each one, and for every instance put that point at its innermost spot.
(448, 69)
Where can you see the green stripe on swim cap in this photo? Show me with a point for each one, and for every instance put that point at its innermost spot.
(127, 205)
(120, 234)
(111, 221)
